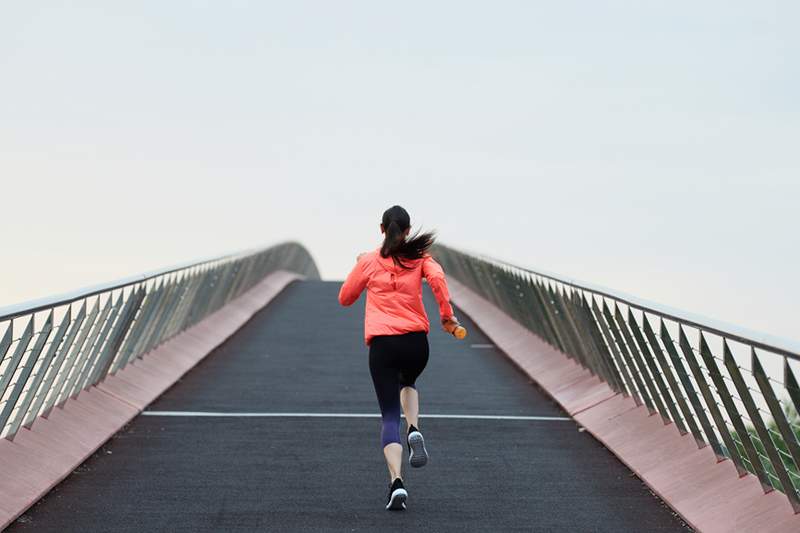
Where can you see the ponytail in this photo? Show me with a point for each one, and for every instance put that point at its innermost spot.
(395, 222)
(392, 240)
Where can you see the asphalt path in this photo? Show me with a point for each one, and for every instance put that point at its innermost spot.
(299, 447)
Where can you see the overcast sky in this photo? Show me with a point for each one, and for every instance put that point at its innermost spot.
(651, 147)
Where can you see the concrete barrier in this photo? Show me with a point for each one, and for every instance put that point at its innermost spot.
(55, 444)
(709, 495)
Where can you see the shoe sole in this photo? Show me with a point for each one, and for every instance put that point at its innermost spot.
(398, 500)
(418, 455)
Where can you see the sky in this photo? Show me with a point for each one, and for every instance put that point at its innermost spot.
(650, 147)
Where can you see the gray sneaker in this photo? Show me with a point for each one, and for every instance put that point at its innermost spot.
(417, 454)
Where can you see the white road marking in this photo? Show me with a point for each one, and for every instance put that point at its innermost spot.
(479, 346)
(346, 415)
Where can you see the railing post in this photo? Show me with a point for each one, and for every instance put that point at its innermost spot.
(691, 394)
(711, 403)
(27, 368)
(644, 351)
(611, 343)
(761, 430)
(22, 409)
(779, 416)
(616, 330)
(57, 366)
(680, 421)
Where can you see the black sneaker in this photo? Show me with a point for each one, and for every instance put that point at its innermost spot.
(397, 496)
(417, 454)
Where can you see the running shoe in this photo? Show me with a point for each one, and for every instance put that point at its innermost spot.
(397, 496)
(417, 454)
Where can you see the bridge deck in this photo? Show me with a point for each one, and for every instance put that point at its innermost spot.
(305, 354)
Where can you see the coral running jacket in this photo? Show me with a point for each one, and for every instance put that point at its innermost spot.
(394, 295)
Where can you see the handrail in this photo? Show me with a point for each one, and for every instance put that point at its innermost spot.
(39, 304)
(62, 348)
(766, 341)
(733, 404)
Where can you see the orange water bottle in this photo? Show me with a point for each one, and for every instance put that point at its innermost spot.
(454, 328)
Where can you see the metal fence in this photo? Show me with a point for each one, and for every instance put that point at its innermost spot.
(52, 349)
(731, 389)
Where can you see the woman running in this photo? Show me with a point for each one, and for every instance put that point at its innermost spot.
(396, 331)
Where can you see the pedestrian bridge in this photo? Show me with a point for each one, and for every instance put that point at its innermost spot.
(233, 394)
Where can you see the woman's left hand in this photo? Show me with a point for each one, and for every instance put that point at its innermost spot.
(450, 323)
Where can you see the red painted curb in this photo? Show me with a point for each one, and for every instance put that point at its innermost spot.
(708, 494)
(40, 457)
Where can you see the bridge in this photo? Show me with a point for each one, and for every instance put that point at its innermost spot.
(233, 394)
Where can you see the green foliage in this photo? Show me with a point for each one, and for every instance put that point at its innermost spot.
(777, 439)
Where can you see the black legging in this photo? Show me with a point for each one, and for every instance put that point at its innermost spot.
(395, 361)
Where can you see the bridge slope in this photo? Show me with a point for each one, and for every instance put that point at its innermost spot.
(303, 354)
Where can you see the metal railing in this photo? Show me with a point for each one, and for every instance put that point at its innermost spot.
(52, 349)
(732, 389)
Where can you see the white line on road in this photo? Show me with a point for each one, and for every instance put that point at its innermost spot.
(346, 415)
(481, 345)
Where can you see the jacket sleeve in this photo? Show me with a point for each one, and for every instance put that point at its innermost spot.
(354, 284)
(432, 271)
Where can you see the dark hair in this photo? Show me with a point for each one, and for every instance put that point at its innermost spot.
(395, 221)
